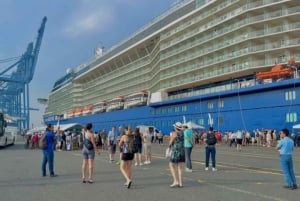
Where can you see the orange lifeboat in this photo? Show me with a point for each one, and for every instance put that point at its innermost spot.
(78, 111)
(291, 62)
(276, 72)
(71, 113)
(87, 110)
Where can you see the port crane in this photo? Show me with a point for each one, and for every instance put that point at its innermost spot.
(15, 79)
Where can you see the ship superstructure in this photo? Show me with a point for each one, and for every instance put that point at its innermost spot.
(197, 48)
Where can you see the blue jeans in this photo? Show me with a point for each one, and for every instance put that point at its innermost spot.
(286, 162)
(48, 156)
(188, 160)
(210, 151)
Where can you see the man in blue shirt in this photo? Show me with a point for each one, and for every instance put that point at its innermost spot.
(48, 151)
(285, 148)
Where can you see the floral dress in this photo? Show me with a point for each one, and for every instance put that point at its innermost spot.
(178, 151)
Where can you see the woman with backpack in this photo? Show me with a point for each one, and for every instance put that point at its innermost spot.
(126, 143)
(88, 152)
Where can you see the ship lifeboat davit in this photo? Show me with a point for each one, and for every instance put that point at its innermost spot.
(276, 72)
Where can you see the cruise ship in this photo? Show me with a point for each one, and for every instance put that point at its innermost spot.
(230, 64)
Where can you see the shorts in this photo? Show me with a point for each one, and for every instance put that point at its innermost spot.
(139, 149)
(239, 141)
(127, 156)
(112, 149)
(88, 154)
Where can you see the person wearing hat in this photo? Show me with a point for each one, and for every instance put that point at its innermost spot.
(285, 147)
(177, 158)
(188, 145)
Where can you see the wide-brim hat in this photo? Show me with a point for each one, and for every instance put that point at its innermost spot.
(178, 125)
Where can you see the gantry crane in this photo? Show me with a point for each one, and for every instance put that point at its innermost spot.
(14, 82)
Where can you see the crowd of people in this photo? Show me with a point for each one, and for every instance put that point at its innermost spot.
(132, 144)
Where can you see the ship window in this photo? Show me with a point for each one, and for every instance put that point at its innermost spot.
(158, 111)
(291, 117)
(290, 95)
(282, 59)
(220, 120)
(184, 108)
(201, 121)
(210, 105)
(170, 109)
(164, 110)
(176, 108)
(220, 103)
(153, 112)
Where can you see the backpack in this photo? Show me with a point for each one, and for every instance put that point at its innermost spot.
(43, 141)
(211, 139)
(132, 144)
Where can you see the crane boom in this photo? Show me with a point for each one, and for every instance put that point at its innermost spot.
(14, 82)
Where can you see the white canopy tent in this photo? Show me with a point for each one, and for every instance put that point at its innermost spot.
(63, 127)
(297, 126)
(193, 125)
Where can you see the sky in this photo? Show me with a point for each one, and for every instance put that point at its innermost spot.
(74, 28)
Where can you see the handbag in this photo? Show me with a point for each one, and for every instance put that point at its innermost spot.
(88, 144)
(168, 152)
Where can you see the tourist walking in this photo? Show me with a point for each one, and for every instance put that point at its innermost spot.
(127, 155)
(177, 158)
(139, 144)
(147, 145)
(188, 146)
(112, 143)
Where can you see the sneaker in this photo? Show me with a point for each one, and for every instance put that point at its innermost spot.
(188, 170)
(206, 169)
(146, 162)
(118, 162)
(294, 187)
(53, 175)
(136, 164)
(214, 169)
(141, 164)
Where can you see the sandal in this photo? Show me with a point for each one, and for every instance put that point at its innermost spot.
(83, 180)
(129, 184)
(90, 181)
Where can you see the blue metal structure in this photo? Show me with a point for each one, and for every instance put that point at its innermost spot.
(14, 82)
